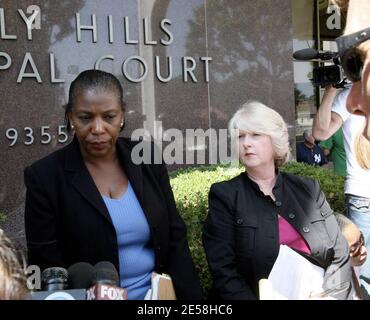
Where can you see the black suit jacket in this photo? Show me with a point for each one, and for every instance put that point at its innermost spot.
(241, 234)
(67, 221)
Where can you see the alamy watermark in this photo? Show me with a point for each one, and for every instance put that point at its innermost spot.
(189, 146)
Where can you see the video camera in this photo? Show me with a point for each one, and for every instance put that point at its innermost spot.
(326, 75)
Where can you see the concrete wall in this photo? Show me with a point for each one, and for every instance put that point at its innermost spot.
(237, 50)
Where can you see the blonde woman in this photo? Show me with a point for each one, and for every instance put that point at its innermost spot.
(251, 215)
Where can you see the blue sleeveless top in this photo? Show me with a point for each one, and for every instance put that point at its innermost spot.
(136, 258)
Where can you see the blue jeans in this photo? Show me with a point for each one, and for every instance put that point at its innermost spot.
(358, 210)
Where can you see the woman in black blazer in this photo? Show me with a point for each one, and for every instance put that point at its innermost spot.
(66, 218)
(251, 215)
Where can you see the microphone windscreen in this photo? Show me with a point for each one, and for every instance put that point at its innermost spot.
(106, 273)
(54, 272)
(54, 277)
(306, 54)
(81, 275)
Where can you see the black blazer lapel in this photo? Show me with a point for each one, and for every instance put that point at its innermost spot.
(144, 182)
(82, 180)
(133, 171)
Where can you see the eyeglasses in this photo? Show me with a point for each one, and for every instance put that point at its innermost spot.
(355, 249)
(350, 58)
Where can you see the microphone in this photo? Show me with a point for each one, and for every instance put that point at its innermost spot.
(310, 54)
(55, 283)
(54, 278)
(106, 273)
(106, 283)
(80, 275)
(306, 54)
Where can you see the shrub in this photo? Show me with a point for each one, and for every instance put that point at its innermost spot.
(191, 187)
(2, 217)
(331, 183)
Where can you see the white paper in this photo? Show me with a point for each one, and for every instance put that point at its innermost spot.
(293, 277)
(155, 287)
(148, 295)
(152, 293)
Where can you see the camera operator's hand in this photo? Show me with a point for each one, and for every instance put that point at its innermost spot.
(326, 122)
(329, 95)
(342, 84)
(331, 87)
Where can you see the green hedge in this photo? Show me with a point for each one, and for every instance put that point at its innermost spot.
(191, 187)
(2, 217)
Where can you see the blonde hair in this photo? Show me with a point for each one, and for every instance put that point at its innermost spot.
(362, 151)
(342, 4)
(12, 275)
(254, 116)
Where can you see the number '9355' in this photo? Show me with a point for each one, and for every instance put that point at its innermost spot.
(27, 135)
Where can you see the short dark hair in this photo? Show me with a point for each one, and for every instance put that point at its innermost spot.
(92, 79)
(306, 133)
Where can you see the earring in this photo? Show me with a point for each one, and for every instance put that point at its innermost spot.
(122, 123)
(72, 126)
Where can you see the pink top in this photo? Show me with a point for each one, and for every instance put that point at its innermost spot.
(289, 236)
